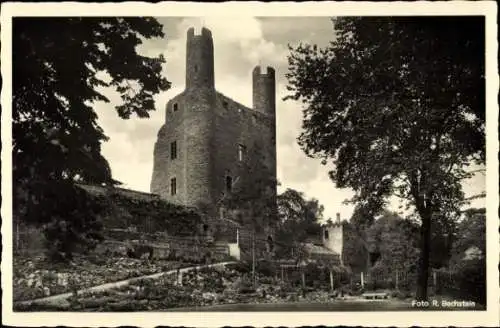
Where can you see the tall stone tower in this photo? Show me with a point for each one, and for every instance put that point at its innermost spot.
(333, 237)
(207, 137)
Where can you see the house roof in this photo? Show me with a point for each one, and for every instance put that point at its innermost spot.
(315, 249)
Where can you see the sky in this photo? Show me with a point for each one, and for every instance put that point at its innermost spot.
(240, 43)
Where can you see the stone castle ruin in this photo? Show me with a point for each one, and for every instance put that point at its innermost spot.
(207, 136)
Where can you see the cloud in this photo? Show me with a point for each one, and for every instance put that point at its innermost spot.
(294, 30)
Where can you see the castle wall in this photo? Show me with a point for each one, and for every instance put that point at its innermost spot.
(163, 167)
(191, 127)
(237, 125)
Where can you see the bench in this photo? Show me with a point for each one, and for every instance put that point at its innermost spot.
(372, 296)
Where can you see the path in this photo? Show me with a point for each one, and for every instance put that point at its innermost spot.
(57, 299)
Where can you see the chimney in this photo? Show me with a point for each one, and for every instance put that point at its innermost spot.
(338, 217)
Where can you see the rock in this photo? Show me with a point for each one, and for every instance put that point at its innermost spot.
(208, 296)
(38, 283)
(62, 279)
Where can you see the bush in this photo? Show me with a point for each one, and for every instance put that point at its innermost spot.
(356, 290)
(312, 272)
(266, 268)
(241, 267)
(295, 278)
(398, 294)
(470, 279)
(266, 280)
(246, 286)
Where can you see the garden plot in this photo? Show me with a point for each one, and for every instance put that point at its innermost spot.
(37, 277)
(195, 288)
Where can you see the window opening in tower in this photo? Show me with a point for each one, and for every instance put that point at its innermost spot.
(229, 183)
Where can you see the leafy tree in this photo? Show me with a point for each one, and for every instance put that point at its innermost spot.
(356, 250)
(298, 218)
(362, 218)
(73, 224)
(468, 260)
(299, 213)
(471, 233)
(443, 234)
(60, 67)
(398, 105)
(396, 240)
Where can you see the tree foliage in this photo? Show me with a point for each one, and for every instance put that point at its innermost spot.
(471, 233)
(151, 216)
(295, 209)
(73, 223)
(396, 240)
(390, 243)
(468, 256)
(442, 236)
(362, 218)
(398, 106)
(60, 67)
(298, 218)
(355, 248)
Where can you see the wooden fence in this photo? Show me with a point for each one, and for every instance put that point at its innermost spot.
(439, 280)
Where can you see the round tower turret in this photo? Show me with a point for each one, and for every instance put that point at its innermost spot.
(199, 60)
(264, 90)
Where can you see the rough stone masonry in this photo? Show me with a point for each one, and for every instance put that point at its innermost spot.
(207, 136)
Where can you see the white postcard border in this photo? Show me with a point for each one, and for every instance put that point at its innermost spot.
(423, 318)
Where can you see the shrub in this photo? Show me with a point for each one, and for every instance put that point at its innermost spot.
(295, 278)
(97, 260)
(318, 276)
(470, 279)
(241, 267)
(246, 290)
(356, 290)
(266, 268)
(246, 286)
(266, 280)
